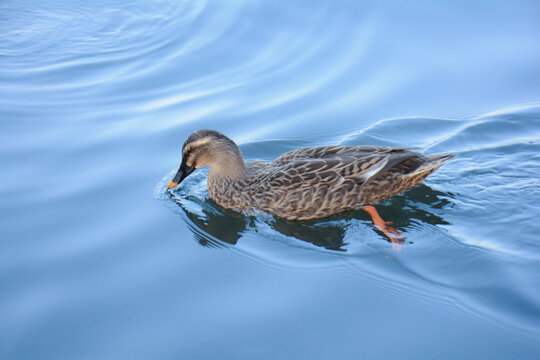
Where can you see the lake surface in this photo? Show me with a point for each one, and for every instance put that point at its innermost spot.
(99, 261)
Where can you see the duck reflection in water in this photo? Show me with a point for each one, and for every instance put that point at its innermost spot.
(214, 225)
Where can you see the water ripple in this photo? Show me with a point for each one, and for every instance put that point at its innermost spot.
(480, 179)
(96, 99)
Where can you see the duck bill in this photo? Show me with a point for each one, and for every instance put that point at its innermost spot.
(182, 173)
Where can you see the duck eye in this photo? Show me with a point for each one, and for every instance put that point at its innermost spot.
(189, 151)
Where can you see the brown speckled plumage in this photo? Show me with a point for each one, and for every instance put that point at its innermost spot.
(306, 183)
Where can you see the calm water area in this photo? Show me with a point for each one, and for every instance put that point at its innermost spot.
(99, 261)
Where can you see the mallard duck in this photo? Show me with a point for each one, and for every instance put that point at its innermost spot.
(307, 183)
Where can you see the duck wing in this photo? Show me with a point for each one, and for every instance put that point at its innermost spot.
(324, 152)
(361, 163)
(338, 171)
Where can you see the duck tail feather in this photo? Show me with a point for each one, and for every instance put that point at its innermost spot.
(433, 163)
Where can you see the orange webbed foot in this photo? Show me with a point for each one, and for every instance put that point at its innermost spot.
(395, 236)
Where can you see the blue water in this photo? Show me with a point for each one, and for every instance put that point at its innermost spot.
(99, 261)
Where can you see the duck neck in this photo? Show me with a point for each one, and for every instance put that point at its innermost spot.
(231, 166)
(232, 171)
(226, 181)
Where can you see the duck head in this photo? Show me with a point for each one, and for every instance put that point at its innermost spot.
(209, 148)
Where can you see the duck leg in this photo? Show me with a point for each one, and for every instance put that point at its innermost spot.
(395, 236)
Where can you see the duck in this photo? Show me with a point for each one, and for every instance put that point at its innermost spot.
(306, 183)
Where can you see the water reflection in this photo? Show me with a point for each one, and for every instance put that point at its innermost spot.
(213, 224)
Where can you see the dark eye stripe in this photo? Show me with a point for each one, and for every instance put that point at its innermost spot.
(188, 153)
